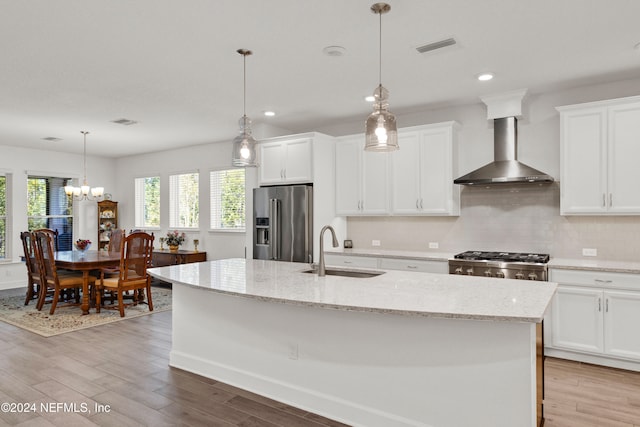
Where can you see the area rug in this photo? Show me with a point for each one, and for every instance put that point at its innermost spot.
(70, 318)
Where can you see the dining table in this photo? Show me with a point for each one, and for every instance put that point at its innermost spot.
(85, 261)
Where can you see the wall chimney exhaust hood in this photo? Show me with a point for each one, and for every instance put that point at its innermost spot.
(505, 168)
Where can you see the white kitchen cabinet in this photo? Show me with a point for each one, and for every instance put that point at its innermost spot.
(596, 313)
(423, 266)
(286, 161)
(577, 319)
(423, 170)
(361, 178)
(351, 261)
(598, 157)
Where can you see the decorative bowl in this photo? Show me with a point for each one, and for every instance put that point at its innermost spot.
(82, 247)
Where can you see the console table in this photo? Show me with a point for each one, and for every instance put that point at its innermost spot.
(162, 258)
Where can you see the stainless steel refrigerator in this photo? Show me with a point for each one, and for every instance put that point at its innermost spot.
(283, 223)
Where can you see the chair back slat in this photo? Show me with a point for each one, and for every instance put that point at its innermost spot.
(135, 255)
(45, 253)
(115, 240)
(29, 252)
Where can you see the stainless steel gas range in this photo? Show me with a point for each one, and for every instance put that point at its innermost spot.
(509, 265)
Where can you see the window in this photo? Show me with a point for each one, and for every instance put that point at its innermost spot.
(184, 211)
(227, 199)
(147, 202)
(49, 207)
(3, 216)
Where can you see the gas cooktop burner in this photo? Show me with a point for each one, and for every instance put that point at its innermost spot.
(503, 256)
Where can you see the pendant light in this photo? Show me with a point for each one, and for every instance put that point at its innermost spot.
(244, 145)
(82, 192)
(381, 132)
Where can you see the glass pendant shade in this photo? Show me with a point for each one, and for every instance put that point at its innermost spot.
(244, 145)
(381, 130)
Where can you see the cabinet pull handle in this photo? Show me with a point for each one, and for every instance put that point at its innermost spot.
(420, 203)
(606, 305)
(599, 304)
(417, 200)
(347, 262)
(604, 200)
(412, 266)
(602, 281)
(610, 200)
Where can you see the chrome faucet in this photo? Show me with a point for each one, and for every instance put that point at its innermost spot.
(321, 267)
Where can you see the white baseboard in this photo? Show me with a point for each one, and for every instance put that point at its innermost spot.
(593, 359)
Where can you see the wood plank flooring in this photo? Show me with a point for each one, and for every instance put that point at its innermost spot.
(125, 365)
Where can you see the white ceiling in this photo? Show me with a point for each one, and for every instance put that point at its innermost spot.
(171, 65)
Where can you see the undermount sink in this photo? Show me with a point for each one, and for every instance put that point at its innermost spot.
(346, 273)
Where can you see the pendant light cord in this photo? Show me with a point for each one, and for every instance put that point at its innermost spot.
(380, 53)
(244, 85)
(84, 155)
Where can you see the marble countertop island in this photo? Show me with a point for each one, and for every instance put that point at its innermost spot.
(400, 292)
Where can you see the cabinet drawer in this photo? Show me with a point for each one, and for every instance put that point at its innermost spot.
(414, 265)
(351, 261)
(597, 279)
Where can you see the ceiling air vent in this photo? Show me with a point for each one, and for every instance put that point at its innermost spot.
(125, 122)
(52, 139)
(436, 45)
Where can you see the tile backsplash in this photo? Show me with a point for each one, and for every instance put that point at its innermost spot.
(519, 218)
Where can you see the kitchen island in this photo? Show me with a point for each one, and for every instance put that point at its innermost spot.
(398, 349)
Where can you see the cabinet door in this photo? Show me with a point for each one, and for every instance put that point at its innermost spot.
(436, 177)
(578, 319)
(406, 175)
(623, 155)
(374, 182)
(424, 266)
(297, 168)
(621, 320)
(583, 161)
(272, 163)
(348, 173)
(351, 261)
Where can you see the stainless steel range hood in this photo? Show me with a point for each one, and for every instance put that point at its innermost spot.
(505, 168)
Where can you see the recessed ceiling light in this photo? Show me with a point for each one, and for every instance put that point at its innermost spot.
(485, 77)
(334, 51)
(269, 113)
(369, 98)
(125, 122)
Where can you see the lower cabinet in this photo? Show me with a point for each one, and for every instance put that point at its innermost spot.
(597, 320)
(424, 266)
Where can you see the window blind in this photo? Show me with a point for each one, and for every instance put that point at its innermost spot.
(49, 207)
(3, 216)
(147, 201)
(184, 209)
(227, 193)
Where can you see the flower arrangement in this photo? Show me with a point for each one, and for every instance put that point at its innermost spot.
(174, 238)
(82, 244)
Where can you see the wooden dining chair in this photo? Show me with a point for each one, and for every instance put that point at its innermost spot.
(54, 233)
(45, 254)
(135, 254)
(34, 277)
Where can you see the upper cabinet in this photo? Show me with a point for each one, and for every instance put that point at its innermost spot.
(362, 178)
(599, 148)
(423, 170)
(415, 180)
(286, 161)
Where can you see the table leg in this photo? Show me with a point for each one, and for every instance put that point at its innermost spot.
(85, 292)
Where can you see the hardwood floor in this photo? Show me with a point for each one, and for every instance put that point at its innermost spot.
(582, 395)
(125, 365)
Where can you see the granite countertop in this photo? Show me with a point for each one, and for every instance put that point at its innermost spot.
(385, 253)
(397, 292)
(595, 265)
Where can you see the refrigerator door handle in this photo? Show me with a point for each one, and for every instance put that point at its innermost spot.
(274, 231)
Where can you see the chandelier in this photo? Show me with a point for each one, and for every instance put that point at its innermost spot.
(82, 192)
(381, 131)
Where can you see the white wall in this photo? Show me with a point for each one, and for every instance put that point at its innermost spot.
(20, 162)
(509, 218)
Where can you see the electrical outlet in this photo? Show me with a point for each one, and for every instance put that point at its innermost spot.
(375, 243)
(434, 245)
(589, 252)
(293, 351)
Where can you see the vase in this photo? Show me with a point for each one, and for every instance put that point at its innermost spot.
(174, 248)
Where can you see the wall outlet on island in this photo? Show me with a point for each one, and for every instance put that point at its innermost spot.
(375, 243)
(434, 245)
(589, 252)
